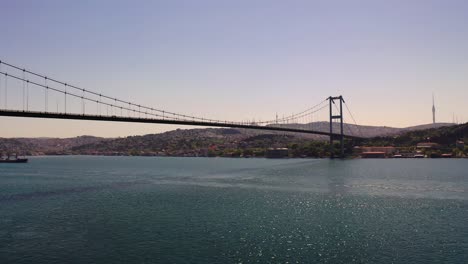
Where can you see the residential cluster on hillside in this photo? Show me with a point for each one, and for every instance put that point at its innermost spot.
(421, 150)
(442, 142)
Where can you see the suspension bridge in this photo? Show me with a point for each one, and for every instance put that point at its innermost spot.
(26, 93)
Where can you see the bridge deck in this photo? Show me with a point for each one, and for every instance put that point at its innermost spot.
(33, 114)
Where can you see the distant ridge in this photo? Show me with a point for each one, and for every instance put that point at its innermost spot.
(445, 136)
(366, 131)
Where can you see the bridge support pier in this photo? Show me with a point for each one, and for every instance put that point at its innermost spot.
(333, 117)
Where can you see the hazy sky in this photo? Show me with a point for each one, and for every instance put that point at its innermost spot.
(240, 60)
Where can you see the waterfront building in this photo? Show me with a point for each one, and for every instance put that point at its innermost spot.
(277, 153)
(427, 145)
(373, 154)
(387, 150)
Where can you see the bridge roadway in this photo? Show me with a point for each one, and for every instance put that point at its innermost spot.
(33, 114)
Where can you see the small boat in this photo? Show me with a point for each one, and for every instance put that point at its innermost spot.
(13, 160)
(8, 159)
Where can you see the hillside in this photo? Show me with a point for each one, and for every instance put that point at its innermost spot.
(208, 141)
(45, 146)
(177, 142)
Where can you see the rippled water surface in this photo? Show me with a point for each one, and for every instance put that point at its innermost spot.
(199, 210)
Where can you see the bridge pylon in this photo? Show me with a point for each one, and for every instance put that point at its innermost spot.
(339, 116)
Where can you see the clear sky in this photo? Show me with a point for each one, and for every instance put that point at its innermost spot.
(244, 59)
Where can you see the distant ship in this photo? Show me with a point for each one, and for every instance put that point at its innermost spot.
(9, 159)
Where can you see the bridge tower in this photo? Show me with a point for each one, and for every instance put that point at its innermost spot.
(333, 117)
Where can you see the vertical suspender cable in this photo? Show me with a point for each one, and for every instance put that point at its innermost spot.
(6, 90)
(45, 93)
(352, 117)
(100, 106)
(27, 95)
(46, 96)
(65, 99)
(24, 89)
(311, 121)
(83, 102)
(0, 86)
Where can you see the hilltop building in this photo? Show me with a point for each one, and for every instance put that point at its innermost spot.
(460, 144)
(433, 109)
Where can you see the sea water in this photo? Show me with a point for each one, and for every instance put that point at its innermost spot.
(81, 209)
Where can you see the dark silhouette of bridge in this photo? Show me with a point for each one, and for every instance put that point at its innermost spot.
(126, 111)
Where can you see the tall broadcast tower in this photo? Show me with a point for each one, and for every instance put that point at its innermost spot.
(433, 109)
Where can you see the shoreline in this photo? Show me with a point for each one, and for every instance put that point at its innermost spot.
(149, 156)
